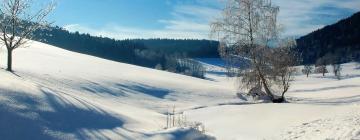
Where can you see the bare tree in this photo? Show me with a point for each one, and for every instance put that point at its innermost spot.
(247, 29)
(321, 66)
(321, 69)
(307, 70)
(337, 70)
(18, 23)
(283, 60)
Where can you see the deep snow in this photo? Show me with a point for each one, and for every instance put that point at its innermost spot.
(57, 94)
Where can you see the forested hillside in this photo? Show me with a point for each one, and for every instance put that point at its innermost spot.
(340, 41)
(143, 52)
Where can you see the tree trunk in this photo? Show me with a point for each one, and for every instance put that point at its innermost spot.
(9, 60)
(283, 95)
(263, 81)
(267, 90)
(307, 74)
(279, 100)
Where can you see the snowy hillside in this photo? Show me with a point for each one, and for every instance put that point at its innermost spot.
(60, 94)
(57, 94)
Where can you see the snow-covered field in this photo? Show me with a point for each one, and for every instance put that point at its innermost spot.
(57, 94)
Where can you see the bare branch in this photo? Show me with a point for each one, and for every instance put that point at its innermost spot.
(18, 23)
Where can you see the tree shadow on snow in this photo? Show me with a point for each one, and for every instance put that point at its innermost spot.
(145, 89)
(332, 101)
(23, 116)
(97, 88)
(327, 88)
(343, 77)
(17, 123)
(69, 118)
(121, 89)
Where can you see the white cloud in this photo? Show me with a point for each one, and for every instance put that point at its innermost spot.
(179, 25)
(188, 21)
(196, 12)
(121, 32)
(299, 16)
(192, 21)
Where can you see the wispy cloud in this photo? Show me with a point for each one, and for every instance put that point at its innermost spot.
(179, 25)
(303, 16)
(191, 19)
(195, 12)
(187, 21)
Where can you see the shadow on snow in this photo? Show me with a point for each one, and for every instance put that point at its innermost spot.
(23, 116)
(327, 88)
(145, 89)
(122, 89)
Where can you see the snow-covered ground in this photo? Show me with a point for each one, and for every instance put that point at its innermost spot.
(57, 94)
(320, 108)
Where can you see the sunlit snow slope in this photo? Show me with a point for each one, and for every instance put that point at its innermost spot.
(58, 94)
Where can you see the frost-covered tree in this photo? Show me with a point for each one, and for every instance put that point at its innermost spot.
(247, 30)
(307, 70)
(18, 22)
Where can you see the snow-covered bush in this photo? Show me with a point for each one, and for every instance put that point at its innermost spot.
(179, 120)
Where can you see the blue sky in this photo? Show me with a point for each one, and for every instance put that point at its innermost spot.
(123, 19)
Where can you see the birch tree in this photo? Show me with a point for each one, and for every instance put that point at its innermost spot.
(246, 29)
(18, 22)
